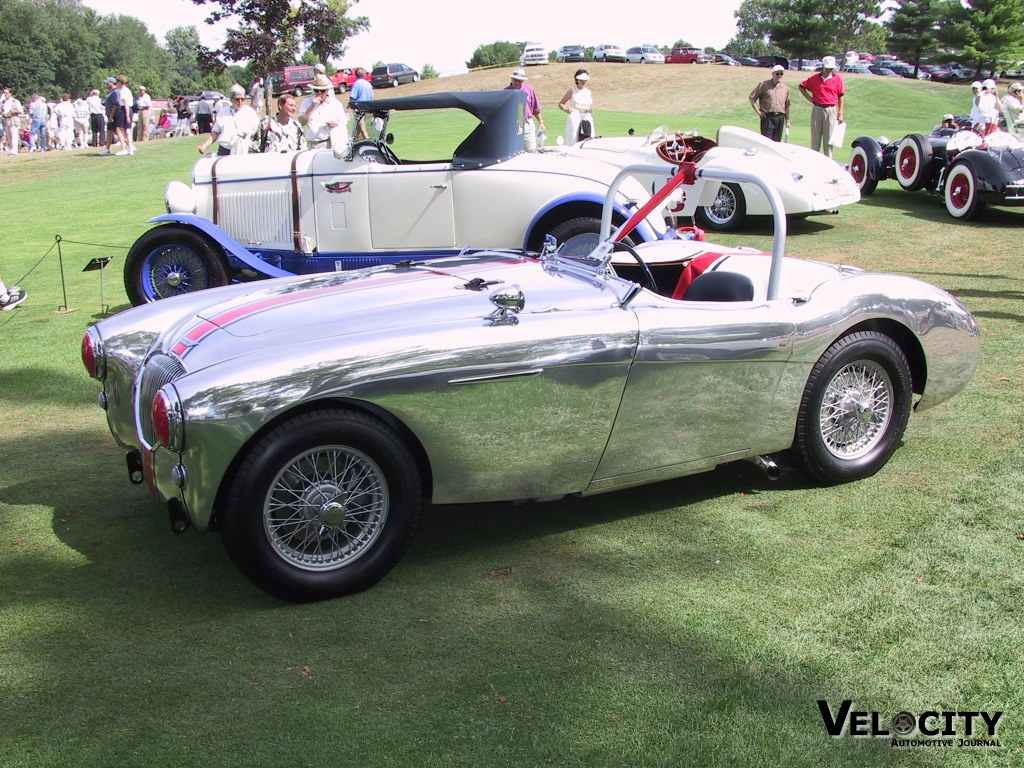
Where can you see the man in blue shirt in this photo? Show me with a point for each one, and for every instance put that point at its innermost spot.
(361, 91)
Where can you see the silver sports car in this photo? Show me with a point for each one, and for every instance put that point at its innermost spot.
(310, 418)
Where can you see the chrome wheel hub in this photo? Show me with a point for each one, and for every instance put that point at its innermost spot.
(856, 410)
(326, 508)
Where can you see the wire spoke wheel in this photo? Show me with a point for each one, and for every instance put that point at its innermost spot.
(855, 410)
(171, 260)
(326, 508)
(727, 212)
(176, 269)
(323, 505)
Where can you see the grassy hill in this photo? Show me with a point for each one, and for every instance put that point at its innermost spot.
(705, 97)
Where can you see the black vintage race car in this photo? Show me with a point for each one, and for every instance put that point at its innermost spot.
(966, 169)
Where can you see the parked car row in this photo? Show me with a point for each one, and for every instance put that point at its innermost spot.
(299, 79)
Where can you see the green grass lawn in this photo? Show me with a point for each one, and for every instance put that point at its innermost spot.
(694, 622)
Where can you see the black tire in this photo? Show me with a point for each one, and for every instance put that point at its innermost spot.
(579, 236)
(913, 162)
(859, 167)
(323, 505)
(342, 87)
(728, 211)
(854, 409)
(415, 78)
(961, 192)
(172, 260)
(394, 82)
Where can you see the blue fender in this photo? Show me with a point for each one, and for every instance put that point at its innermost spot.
(643, 230)
(231, 246)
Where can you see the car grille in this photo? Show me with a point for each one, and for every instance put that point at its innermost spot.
(158, 371)
(257, 219)
(1014, 191)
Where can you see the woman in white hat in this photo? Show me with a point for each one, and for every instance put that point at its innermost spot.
(985, 107)
(578, 104)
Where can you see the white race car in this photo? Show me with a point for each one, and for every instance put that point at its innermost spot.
(807, 181)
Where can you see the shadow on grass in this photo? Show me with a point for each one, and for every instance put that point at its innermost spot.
(46, 385)
(446, 530)
(167, 624)
(929, 206)
(795, 226)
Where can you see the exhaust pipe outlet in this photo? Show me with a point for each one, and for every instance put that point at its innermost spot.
(766, 465)
(179, 518)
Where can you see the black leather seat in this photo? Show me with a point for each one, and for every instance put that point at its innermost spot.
(720, 286)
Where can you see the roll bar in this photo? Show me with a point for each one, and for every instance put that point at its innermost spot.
(687, 173)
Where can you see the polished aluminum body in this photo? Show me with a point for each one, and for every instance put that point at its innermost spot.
(515, 378)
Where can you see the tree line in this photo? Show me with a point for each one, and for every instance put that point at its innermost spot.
(56, 46)
(984, 34)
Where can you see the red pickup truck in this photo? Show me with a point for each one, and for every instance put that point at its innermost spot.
(344, 78)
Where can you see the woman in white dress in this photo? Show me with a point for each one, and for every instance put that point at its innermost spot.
(578, 104)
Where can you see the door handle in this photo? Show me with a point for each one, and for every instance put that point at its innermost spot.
(439, 186)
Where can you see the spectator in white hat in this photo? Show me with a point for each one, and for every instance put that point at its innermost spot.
(770, 100)
(235, 126)
(534, 121)
(1012, 105)
(322, 114)
(985, 107)
(826, 92)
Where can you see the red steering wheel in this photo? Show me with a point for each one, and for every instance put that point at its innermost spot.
(675, 149)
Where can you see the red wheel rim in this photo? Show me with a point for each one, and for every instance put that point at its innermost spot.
(959, 190)
(857, 168)
(908, 163)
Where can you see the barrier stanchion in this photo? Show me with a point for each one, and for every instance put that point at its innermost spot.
(99, 263)
(63, 309)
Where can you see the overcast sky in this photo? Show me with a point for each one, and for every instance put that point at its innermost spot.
(444, 33)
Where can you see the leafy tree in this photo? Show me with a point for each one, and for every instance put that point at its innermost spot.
(74, 46)
(187, 75)
(428, 72)
(268, 32)
(129, 48)
(753, 19)
(872, 37)
(25, 62)
(802, 28)
(499, 54)
(912, 29)
(984, 31)
(326, 34)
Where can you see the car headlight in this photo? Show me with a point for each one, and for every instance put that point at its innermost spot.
(168, 419)
(178, 198)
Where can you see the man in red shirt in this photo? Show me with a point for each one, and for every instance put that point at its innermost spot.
(826, 92)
